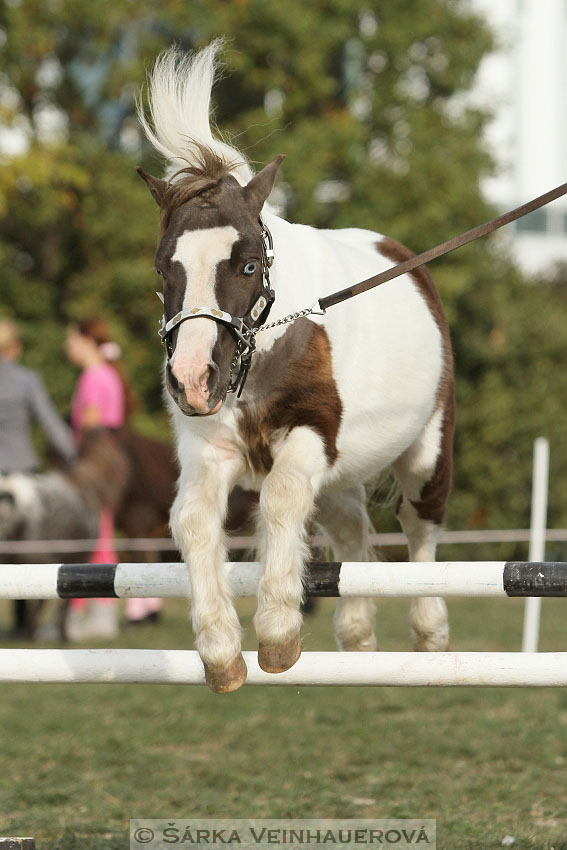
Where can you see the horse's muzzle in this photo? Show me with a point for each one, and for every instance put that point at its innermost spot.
(201, 400)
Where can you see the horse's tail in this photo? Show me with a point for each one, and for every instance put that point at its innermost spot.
(179, 97)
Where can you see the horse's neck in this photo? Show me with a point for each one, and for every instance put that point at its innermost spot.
(294, 273)
(153, 469)
(101, 472)
(310, 263)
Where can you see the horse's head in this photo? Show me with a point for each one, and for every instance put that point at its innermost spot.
(210, 257)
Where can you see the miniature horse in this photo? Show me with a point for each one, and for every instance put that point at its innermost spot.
(330, 400)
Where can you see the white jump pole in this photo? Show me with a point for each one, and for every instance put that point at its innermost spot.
(374, 579)
(184, 667)
(538, 524)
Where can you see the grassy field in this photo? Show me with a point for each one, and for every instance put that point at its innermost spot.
(78, 761)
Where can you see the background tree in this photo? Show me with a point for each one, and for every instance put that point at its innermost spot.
(369, 106)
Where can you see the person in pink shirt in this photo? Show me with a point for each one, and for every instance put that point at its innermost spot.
(99, 399)
(103, 399)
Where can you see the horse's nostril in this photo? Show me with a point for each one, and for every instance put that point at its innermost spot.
(173, 380)
(213, 377)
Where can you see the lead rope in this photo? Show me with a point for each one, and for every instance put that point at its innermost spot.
(421, 259)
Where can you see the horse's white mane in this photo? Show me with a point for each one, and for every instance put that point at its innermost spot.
(179, 98)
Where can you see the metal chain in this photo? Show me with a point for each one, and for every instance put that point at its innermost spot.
(308, 311)
(239, 355)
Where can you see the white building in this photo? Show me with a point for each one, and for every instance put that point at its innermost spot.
(525, 82)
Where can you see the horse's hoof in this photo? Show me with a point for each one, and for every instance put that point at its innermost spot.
(276, 659)
(223, 680)
(368, 644)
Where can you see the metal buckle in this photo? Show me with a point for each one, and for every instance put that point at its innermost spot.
(319, 312)
(268, 248)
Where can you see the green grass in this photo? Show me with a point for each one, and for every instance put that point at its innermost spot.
(78, 761)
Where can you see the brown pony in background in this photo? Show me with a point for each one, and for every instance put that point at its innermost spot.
(133, 475)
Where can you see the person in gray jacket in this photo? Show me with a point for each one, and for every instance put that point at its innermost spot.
(23, 401)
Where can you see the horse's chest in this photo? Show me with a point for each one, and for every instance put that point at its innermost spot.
(258, 442)
(291, 385)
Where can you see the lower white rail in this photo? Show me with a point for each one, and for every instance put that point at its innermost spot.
(184, 667)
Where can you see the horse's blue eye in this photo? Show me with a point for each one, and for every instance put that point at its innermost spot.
(250, 268)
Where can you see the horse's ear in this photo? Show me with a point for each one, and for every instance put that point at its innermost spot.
(258, 189)
(156, 186)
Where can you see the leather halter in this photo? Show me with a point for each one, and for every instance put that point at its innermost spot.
(244, 328)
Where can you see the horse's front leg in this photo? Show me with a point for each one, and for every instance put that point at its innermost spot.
(286, 501)
(197, 519)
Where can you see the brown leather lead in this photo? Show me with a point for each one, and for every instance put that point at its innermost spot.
(444, 248)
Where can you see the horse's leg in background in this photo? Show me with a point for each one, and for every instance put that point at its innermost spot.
(32, 613)
(424, 473)
(197, 518)
(286, 501)
(61, 619)
(344, 518)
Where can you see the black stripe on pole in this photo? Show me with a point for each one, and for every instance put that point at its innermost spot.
(535, 578)
(322, 579)
(91, 581)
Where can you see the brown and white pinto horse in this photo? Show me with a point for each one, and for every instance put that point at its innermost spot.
(330, 401)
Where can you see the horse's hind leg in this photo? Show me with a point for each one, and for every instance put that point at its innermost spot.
(343, 517)
(424, 473)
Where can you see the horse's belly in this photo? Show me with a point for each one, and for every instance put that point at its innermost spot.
(369, 446)
(388, 360)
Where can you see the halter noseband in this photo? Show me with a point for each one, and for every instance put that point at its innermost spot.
(244, 329)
